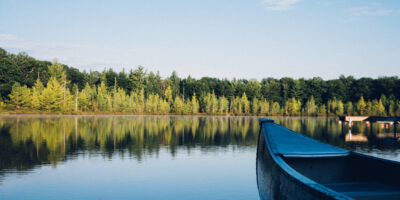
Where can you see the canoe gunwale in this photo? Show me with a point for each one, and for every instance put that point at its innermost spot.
(298, 178)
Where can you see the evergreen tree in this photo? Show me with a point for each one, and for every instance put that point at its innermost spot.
(20, 96)
(223, 105)
(275, 108)
(195, 104)
(255, 106)
(349, 108)
(339, 108)
(103, 97)
(377, 108)
(178, 105)
(292, 107)
(52, 95)
(311, 108)
(245, 104)
(36, 98)
(322, 110)
(361, 106)
(85, 98)
(168, 94)
(264, 108)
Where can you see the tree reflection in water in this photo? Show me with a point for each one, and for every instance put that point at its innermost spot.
(29, 141)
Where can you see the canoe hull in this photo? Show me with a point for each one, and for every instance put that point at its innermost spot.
(274, 181)
(293, 166)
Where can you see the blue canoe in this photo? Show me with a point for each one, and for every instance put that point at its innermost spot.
(293, 166)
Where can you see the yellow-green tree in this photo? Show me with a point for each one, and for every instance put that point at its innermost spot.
(103, 97)
(275, 108)
(255, 106)
(85, 98)
(361, 106)
(37, 90)
(349, 108)
(264, 107)
(20, 96)
(292, 106)
(195, 104)
(245, 104)
(378, 108)
(52, 95)
(178, 105)
(168, 94)
(223, 105)
(311, 108)
(339, 108)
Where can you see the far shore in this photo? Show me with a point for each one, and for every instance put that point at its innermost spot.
(20, 113)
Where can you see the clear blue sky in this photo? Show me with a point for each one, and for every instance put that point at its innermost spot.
(217, 38)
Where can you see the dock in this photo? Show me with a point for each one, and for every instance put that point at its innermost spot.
(370, 119)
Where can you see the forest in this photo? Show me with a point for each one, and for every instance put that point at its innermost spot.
(28, 85)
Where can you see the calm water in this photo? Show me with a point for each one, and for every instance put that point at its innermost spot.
(152, 157)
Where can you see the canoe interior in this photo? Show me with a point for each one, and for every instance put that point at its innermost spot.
(357, 176)
(284, 174)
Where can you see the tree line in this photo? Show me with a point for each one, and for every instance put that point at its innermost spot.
(30, 85)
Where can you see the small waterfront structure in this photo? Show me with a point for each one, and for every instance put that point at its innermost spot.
(370, 119)
(293, 166)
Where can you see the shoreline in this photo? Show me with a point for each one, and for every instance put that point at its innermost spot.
(147, 114)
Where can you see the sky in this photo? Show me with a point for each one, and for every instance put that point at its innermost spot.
(215, 38)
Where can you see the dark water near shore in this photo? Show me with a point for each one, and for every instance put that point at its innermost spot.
(153, 157)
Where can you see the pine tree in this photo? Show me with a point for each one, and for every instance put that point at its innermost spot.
(322, 110)
(292, 106)
(103, 97)
(36, 98)
(168, 94)
(275, 108)
(311, 108)
(141, 101)
(187, 107)
(195, 104)
(236, 106)
(255, 106)
(349, 108)
(214, 103)
(245, 104)
(69, 104)
(361, 106)
(377, 108)
(264, 108)
(19, 96)
(223, 105)
(84, 99)
(52, 95)
(178, 105)
(339, 108)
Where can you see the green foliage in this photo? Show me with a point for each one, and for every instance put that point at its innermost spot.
(311, 108)
(377, 108)
(59, 88)
(52, 96)
(245, 104)
(275, 108)
(361, 106)
(57, 71)
(322, 110)
(20, 96)
(178, 105)
(264, 107)
(36, 98)
(349, 110)
(195, 104)
(292, 107)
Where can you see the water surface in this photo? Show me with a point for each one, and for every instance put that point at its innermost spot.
(152, 157)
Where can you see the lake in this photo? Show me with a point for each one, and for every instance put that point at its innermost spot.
(153, 157)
